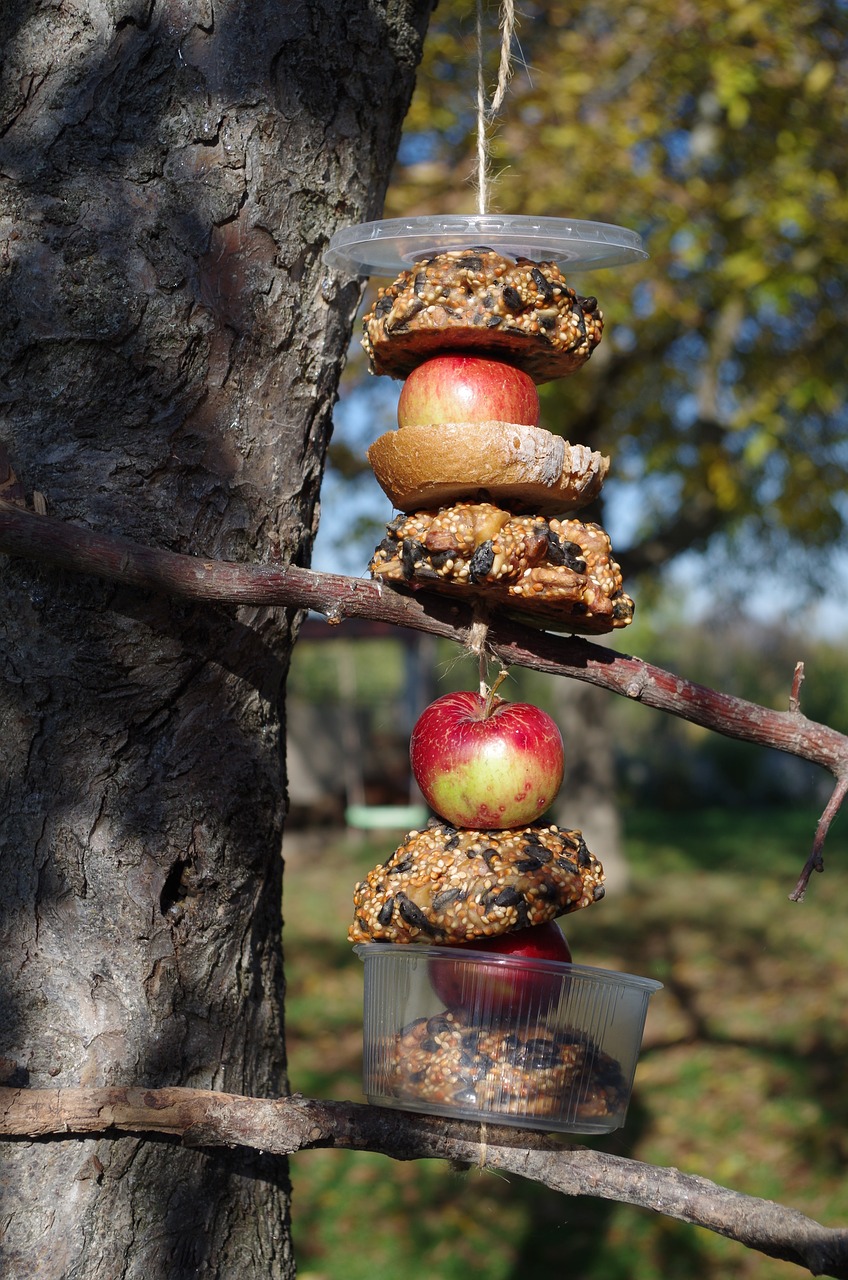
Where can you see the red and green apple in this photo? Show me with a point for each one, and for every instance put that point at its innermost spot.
(502, 990)
(459, 388)
(486, 763)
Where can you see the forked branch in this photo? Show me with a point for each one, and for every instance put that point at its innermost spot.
(79, 550)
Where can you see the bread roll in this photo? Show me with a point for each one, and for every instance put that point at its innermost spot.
(521, 467)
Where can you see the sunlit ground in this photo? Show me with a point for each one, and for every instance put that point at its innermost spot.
(741, 1077)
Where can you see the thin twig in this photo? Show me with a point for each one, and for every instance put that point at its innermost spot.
(191, 577)
(795, 693)
(815, 862)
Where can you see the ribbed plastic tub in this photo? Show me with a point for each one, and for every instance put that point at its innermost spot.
(480, 1036)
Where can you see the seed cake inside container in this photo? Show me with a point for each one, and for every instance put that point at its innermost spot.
(444, 1060)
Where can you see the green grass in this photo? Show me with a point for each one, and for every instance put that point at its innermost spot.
(754, 842)
(741, 1078)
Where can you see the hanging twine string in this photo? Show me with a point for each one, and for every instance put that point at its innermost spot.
(486, 114)
(505, 65)
(484, 1145)
(482, 140)
(475, 642)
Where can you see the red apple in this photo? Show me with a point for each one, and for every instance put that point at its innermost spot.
(486, 763)
(457, 388)
(502, 990)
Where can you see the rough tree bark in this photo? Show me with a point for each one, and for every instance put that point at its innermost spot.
(170, 175)
(587, 799)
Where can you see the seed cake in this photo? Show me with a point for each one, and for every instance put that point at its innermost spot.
(475, 300)
(449, 885)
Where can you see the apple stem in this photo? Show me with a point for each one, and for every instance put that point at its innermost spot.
(490, 694)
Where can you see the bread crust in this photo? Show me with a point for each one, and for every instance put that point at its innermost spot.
(521, 467)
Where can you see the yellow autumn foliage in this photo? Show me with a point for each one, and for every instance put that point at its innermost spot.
(718, 132)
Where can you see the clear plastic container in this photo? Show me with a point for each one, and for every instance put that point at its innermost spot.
(480, 1036)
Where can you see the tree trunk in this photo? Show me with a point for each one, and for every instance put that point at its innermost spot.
(171, 173)
(589, 795)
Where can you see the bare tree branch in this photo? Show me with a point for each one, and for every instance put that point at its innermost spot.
(80, 550)
(201, 1118)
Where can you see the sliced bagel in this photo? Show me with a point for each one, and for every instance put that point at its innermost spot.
(557, 572)
(521, 467)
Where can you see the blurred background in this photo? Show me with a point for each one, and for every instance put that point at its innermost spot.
(718, 132)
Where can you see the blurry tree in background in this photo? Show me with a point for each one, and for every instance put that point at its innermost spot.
(718, 132)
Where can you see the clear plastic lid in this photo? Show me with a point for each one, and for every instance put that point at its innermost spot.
(388, 247)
